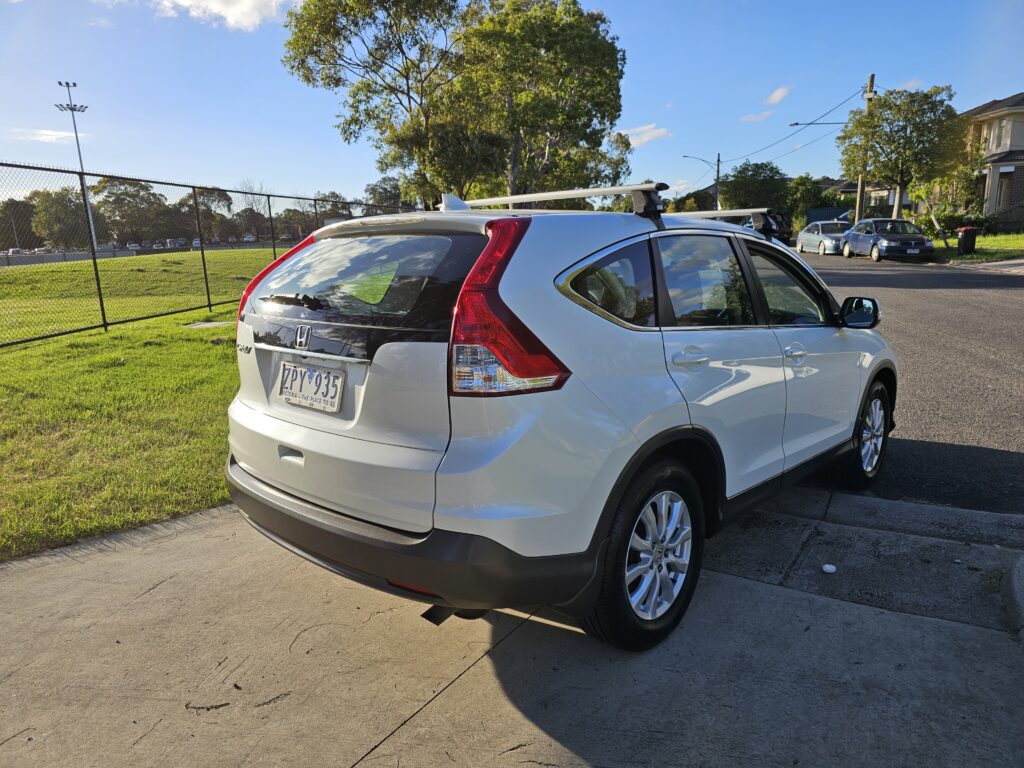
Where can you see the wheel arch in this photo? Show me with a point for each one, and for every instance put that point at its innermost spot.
(692, 446)
(885, 373)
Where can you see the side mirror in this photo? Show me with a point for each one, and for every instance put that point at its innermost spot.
(859, 312)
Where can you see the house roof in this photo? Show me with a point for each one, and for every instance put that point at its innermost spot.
(1010, 102)
(1013, 156)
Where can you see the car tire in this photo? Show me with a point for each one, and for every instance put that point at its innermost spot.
(847, 250)
(876, 254)
(872, 424)
(613, 618)
(821, 248)
(799, 246)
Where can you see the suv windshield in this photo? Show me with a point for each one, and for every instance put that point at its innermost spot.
(397, 281)
(896, 227)
(834, 228)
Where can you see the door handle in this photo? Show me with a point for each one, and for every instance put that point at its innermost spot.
(795, 352)
(690, 358)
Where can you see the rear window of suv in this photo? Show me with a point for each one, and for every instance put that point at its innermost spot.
(396, 281)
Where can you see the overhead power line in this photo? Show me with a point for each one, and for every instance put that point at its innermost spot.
(856, 93)
(802, 146)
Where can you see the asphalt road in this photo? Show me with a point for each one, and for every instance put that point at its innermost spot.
(958, 333)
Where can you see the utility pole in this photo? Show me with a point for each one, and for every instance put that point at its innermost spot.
(718, 176)
(869, 94)
(73, 108)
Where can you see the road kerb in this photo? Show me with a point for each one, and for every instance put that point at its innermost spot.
(1013, 594)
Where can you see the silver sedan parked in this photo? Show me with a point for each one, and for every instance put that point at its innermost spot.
(822, 237)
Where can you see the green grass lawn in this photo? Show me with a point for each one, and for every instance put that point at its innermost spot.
(102, 431)
(41, 299)
(989, 248)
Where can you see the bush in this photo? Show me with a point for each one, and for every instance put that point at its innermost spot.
(950, 222)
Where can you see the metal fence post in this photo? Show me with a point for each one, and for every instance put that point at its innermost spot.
(92, 250)
(273, 237)
(202, 248)
(316, 215)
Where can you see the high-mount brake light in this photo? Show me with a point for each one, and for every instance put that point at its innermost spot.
(492, 350)
(266, 271)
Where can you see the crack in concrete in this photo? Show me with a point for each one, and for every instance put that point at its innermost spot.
(274, 699)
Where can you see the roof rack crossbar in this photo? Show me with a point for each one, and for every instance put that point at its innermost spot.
(725, 214)
(566, 194)
(646, 201)
(760, 218)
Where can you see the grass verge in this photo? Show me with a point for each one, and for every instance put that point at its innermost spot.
(102, 431)
(989, 248)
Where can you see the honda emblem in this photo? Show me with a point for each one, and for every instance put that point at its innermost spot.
(302, 334)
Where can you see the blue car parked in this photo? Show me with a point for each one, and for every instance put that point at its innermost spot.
(879, 238)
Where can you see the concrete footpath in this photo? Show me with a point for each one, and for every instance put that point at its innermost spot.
(199, 642)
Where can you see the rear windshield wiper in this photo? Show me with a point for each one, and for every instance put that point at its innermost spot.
(297, 300)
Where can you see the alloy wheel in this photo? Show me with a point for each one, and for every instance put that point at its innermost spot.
(872, 435)
(658, 555)
(821, 248)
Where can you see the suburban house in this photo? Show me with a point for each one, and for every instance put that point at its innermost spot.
(999, 126)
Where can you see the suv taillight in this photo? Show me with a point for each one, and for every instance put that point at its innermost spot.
(492, 350)
(266, 271)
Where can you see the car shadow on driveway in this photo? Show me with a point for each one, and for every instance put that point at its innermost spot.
(755, 675)
(966, 476)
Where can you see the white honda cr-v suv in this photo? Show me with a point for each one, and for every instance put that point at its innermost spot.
(504, 408)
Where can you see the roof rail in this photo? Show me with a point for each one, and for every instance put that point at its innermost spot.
(646, 201)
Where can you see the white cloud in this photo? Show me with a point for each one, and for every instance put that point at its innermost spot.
(778, 94)
(236, 14)
(757, 117)
(100, 21)
(911, 85)
(15, 2)
(44, 135)
(679, 185)
(644, 133)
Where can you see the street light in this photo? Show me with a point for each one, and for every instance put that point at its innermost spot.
(73, 108)
(717, 166)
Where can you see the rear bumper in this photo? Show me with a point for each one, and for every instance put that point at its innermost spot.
(444, 567)
(902, 250)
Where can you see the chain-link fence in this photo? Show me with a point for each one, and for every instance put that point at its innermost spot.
(84, 251)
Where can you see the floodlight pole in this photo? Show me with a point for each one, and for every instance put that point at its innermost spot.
(72, 108)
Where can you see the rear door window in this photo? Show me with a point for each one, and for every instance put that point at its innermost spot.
(406, 281)
(704, 283)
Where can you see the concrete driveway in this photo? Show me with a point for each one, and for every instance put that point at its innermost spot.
(198, 642)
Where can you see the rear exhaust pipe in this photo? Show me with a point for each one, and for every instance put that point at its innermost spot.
(438, 614)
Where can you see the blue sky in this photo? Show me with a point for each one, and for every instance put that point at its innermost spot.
(193, 90)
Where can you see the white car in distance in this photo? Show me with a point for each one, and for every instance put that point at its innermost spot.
(482, 409)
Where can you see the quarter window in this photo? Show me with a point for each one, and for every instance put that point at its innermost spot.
(704, 283)
(621, 285)
(789, 301)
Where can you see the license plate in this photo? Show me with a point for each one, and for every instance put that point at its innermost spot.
(913, 250)
(310, 386)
